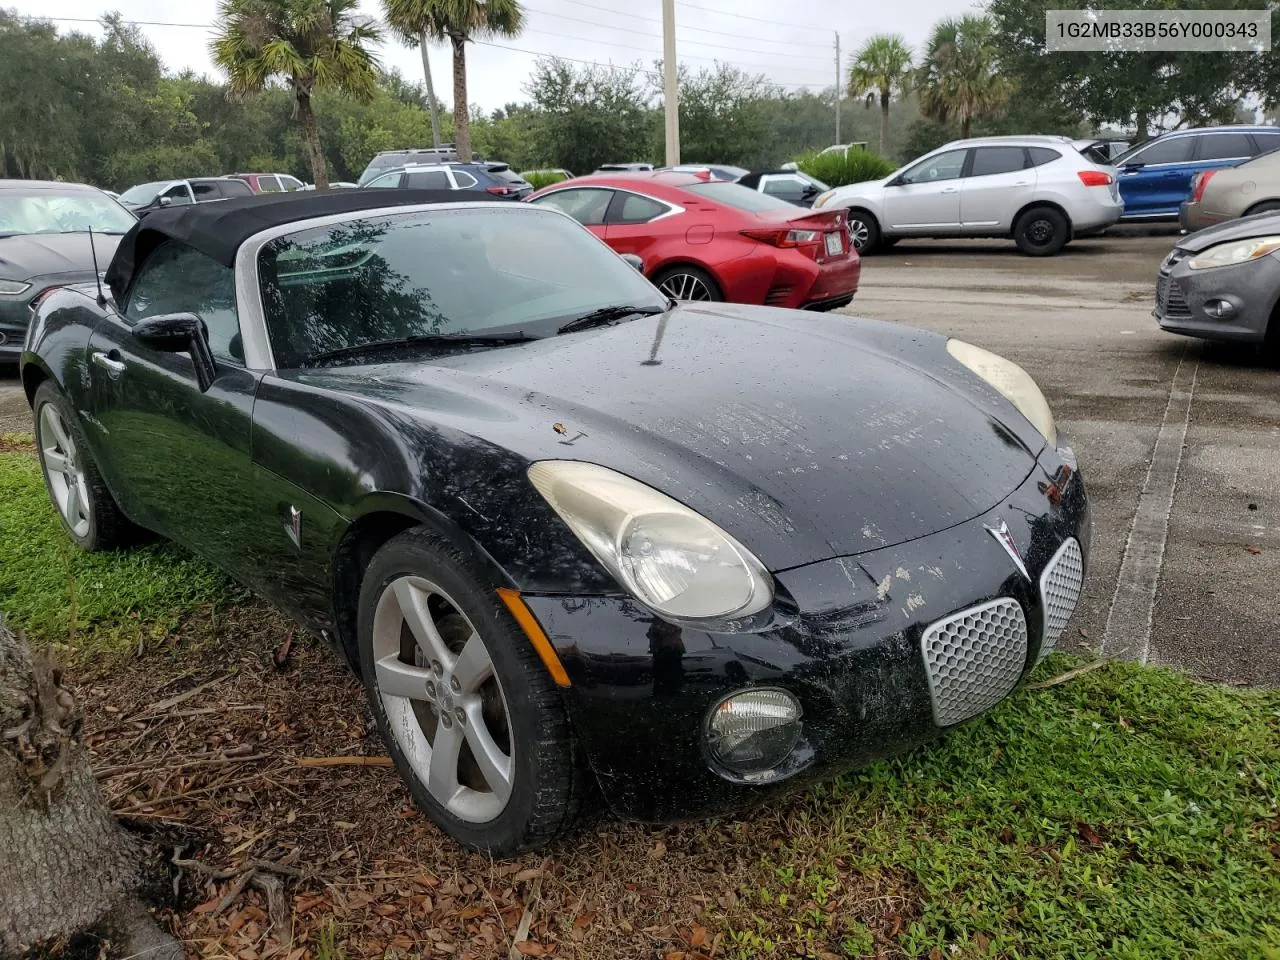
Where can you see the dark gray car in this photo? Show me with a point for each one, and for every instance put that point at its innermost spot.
(44, 242)
(147, 198)
(1223, 283)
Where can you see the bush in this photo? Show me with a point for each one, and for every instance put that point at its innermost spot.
(854, 166)
(543, 178)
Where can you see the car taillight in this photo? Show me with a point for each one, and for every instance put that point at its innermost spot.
(785, 237)
(1095, 178)
(501, 191)
(1198, 183)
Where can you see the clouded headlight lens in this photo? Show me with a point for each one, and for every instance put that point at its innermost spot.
(1011, 380)
(1237, 251)
(823, 198)
(671, 559)
(11, 288)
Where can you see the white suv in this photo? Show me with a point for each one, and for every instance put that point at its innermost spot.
(1038, 190)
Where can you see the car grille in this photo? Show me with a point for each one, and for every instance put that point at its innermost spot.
(1059, 591)
(974, 659)
(1169, 299)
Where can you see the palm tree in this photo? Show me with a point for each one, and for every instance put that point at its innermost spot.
(312, 45)
(459, 21)
(958, 78)
(881, 68)
(415, 22)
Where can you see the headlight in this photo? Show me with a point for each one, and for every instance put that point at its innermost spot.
(823, 198)
(11, 288)
(754, 730)
(1237, 251)
(1011, 380)
(671, 559)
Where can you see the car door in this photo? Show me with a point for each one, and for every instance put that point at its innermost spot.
(587, 205)
(636, 223)
(1155, 179)
(178, 457)
(999, 182)
(229, 189)
(206, 190)
(388, 181)
(427, 180)
(1214, 151)
(926, 197)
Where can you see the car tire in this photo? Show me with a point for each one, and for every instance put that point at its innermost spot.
(864, 231)
(1267, 206)
(79, 495)
(504, 706)
(688, 284)
(1041, 232)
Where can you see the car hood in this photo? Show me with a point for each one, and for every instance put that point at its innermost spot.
(1259, 225)
(806, 436)
(48, 254)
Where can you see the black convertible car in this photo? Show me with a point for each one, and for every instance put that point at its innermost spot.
(563, 527)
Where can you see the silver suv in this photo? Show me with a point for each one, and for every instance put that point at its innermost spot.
(1038, 190)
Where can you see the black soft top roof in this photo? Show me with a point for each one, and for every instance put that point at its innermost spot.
(218, 229)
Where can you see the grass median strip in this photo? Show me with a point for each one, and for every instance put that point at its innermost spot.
(1126, 812)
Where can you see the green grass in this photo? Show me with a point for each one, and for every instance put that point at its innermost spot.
(1128, 814)
(89, 602)
(855, 166)
(540, 180)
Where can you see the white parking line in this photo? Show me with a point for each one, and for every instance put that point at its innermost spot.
(1128, 632)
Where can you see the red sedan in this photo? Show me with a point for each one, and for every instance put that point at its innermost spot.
(704, 239)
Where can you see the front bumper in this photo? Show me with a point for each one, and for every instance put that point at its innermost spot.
(851, 647)
(15, 315)
(1252, 289)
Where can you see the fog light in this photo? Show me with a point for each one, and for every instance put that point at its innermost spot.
(753, 731)
(1219, 309)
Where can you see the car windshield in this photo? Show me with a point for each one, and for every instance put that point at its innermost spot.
(143, 193)
(61, 211)
(479, 271)
(738, 196)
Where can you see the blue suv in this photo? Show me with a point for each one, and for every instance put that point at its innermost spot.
(1155, 177)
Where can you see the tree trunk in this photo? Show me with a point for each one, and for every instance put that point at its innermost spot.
(432, 105)
(311, 135)
(1140, 126)
(966, 122)
(66, 866)
(884, 121)
(461, 118)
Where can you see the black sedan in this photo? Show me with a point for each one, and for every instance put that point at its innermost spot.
(44, 241)
(564, 527)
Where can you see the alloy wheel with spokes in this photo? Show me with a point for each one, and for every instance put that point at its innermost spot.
(68, 484)
(687, 285)
(858, 234)
(443, 700)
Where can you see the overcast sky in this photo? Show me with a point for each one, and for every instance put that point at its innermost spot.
(790, 41)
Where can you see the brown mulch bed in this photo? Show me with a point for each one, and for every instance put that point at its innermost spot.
(251, 759)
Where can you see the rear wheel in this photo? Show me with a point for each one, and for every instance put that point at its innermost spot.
(1267, 206)
(864, 231)
(85, 506)
(1041, 232)
(687, 283)
(475, 725)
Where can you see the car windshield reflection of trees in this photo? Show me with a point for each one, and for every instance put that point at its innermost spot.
(449, 273)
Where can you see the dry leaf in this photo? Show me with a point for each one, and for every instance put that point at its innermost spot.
(583, 920)
(659, 851)
(526, 875)
(982, 942)
(386, 910)
(698, 937)
(895, 925)
(1254, 549)
(674, 955)
(531, 948)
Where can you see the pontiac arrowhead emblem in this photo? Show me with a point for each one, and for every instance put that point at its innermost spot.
(1005, 539)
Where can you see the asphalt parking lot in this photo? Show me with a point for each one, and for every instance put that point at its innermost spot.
(1183, 436)
(1192, 582)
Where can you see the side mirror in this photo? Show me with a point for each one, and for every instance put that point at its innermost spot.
(165, 201)
(179, 333)
(635, 261)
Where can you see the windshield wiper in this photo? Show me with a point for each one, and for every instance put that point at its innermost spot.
(425, 340)
(598, 318)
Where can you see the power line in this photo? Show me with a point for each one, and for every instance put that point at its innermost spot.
(683, 28)
(743, 16)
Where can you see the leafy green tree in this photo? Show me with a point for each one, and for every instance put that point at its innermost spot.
(416, 22)
(460, 21)
(722, 116)
(312, 45)
(958, 77)
(881, 68)
(589, 116)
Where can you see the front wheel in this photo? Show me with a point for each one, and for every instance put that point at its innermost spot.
(688, 284)
(85, 506)
(1041, 232)
(864, 232)
(472, 720)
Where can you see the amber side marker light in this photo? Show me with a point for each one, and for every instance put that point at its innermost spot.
(533, 630)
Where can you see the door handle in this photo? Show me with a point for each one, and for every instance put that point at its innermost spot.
(950, 189)
(113, 367)
(1022, 183)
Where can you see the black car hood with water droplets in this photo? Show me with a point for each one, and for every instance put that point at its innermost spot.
(806, 436)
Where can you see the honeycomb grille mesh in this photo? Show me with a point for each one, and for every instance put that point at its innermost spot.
(1060, 586)
(974, 659)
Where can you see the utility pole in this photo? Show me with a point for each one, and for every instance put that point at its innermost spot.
(670, 96)
(839, 91)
